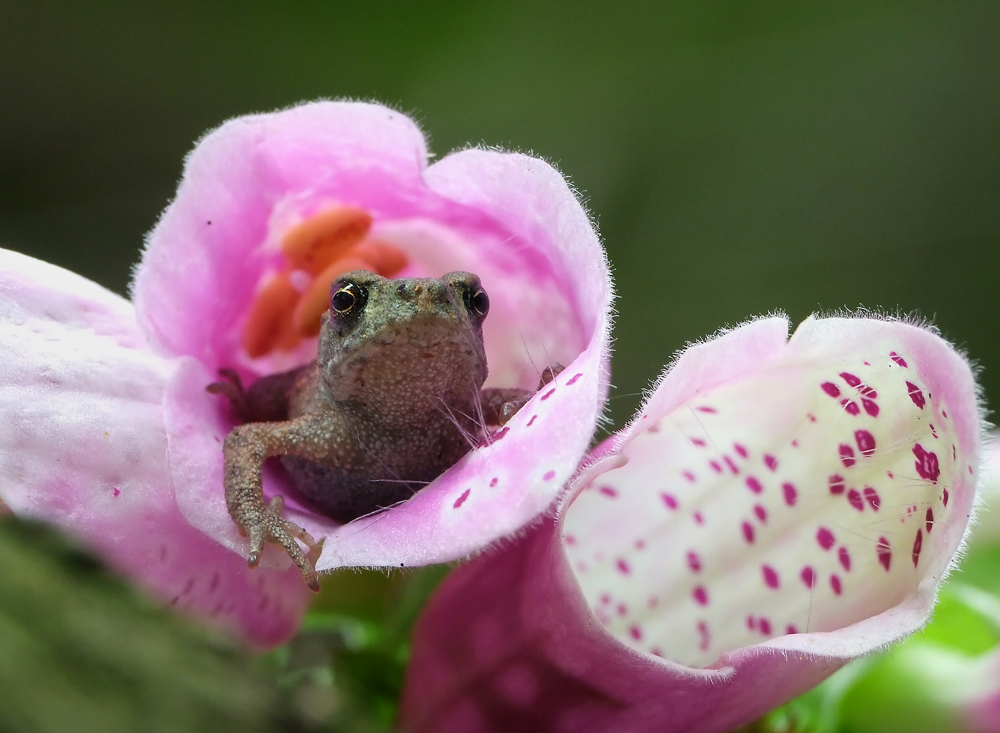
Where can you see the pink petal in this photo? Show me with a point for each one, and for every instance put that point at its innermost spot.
(83, 445)
(663, 599)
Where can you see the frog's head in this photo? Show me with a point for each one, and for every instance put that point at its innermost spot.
(405, 344)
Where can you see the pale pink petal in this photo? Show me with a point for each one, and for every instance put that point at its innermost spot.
(720, 570)
(83, 445)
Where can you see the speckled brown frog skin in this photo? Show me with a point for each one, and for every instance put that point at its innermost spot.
(394, 399)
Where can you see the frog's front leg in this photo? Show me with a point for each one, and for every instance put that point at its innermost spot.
(500, 405)
(245, 450)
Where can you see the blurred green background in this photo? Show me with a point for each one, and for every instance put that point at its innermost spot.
(740, 157)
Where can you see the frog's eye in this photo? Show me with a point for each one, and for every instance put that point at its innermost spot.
(478, 302)
(348, 299)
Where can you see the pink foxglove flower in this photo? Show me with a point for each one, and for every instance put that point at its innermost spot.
(777, 508)
(109, 432)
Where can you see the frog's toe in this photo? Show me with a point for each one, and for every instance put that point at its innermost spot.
(273, 528)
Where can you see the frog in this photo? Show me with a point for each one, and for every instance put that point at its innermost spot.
(394, 398)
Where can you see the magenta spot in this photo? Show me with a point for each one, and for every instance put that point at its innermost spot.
(761, 513)
(836, 484)
(653, 601)
(493, 482)
(865, 441)
(605, 598)
(635, 632)
(884, 553)
(926, 463)
(732, 466)
(851, 380)
(716, 466)
(706, 408)
(549, 475)
(890, 474)
(851, 407)
(700, 595)
(654, 428)
(751, 623)
(640, 544)
(854, 499)
(740, 449)
(570, 539)
(116, 492)
(929, 520)
(498, 435)
(835, 584)
(870, 407)
(916, 395)
(871, 496)
(548, 394)
(531, 421)
(795, 444)
(831, 389)
(622, 609)
(790, 629)
(845, 558)
(669, 500)
(897, 358)
(748, 532)
(623, 566)
(461, 500)
(808, 576)
(706, 638)
(609, 492)
(694, 562)
(754, 484)
(812, 418)
(933, 430)
(572, 380)
(770, 576)
(656, 652)
(790, 493)
(771, 462)
(698, 518)
(699, 442)
(825, 538)
(689, 476)
(846, 455)
(918, 542)
(868, 392)
(765, 626)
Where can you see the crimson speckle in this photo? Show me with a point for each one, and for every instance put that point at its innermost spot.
(609, 492)
(700, 595)
(765, 626)
(884, 553)
(835, 584)
(548, 394)
(731, 465)
(698, 518)
(771, 462)
(689, 476)
(694, 562)
(570, 539)
(831, 389)
(845, 557)
(116, 492)
(623, 566)
(851, 380)
(706, 638)
(812, 418)
(493, 482)
(825, 538)
(790, 493)
(926, 463)
(808, 576)
(770, 576)
(740, 449)
(865, 441)
(761, 513)
(870, 407)
(461, 500)
(751, 623)
(669, 500)
(572, 380)
(851, 407)
(897, 358)
(716, 466)
(656, 652)
(790, 629)
(929, 520)
(872, 497)
(699, 442)
(531, 421)
(706, 408)
(854, 499)
(846, 455)
(622, 609)
(753, 483)
(605, 598)
(748, 532)
(635, 632)
(916, 395)
(836, 484)
(548, 475)
(918, 542)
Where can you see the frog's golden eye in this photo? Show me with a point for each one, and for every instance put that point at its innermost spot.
(478, 302)
(348, 299)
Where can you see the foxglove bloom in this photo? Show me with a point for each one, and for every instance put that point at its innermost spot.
(778, 507)
(269, 207)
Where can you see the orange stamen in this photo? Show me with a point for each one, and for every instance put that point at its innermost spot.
(269, 313)
(316, 300)
(325, 238)
(382, 258)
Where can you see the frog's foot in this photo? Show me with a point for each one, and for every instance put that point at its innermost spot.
(232, 389)
(500, 405)
(271, 527)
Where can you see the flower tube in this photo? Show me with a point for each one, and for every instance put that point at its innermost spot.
(777, 508)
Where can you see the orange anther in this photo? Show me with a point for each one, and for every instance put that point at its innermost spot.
(269, 313)
(385, 259)
(325, 238)
(316, 300)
